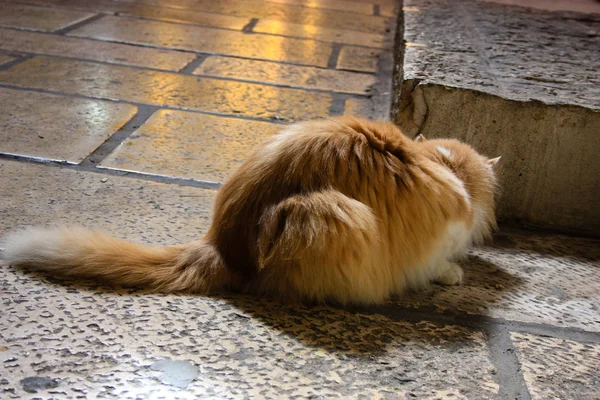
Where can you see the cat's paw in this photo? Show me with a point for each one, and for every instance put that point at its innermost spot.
(452, 275)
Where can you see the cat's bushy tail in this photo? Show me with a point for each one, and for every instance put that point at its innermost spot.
(71, 251)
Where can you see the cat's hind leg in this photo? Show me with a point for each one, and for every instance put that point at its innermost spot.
(322, 246)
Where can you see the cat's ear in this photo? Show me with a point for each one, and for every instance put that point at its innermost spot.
(494, 161)
(420, 138)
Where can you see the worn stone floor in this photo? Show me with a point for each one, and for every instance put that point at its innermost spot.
(127, 115)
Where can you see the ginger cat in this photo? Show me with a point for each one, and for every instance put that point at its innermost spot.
(342, 210)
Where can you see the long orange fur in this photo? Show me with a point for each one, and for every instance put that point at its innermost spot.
(343, 210)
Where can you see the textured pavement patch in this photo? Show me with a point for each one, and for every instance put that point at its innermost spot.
(545, 279)
(137, 210)
(557, 368)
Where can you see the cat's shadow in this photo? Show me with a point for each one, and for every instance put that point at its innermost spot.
(356, 331)
(369, 330)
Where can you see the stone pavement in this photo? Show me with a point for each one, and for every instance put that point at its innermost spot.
(127, 116)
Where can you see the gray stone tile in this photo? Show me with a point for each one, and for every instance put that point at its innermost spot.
(101, 342)
(209, 40)
(288, 75)
(558, 368)
(138, 210)
(190, 145)
(163, 88)
(38, 18)
(57, 127)
(540, 278)
(40, 43)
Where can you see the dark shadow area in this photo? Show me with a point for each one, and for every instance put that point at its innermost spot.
(361, 332)
(547, 244)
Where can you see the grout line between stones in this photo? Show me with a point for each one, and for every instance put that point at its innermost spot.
(78, 24)
(509, 373)
(398, 61)
(143, 113)
(250, 26)
(17, 60)
(113, 172)
(338, 104)
(192, 65)
(335, 54)
(399, 312)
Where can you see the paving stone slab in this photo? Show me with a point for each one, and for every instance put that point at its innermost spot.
(190, 145)
(167, 89)
(285, 13)
(116, 53)
(360, 7)
(5, 58)
(208, 40)
(150, 11)
(275, 27)
(55, 127)
(362, 59)
(140, 210)
(38, 18)
(528, 277)
(557, 368)
(95, 341)
(375, 108)
(287, 75)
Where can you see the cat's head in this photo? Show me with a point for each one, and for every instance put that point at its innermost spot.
(478, 173)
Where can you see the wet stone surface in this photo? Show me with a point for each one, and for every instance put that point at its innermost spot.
(323, 33)
(38, 18)
(162, 88)
(514, 52)
(40, 43)
(292, 13)
(557, 368)
(40, 125)
(208, 40)
(289, 75)
(190, 145)
(362, 59)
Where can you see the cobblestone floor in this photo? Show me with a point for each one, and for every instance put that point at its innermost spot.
(127, 115)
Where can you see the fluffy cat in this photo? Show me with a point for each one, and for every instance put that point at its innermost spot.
(342, 210)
